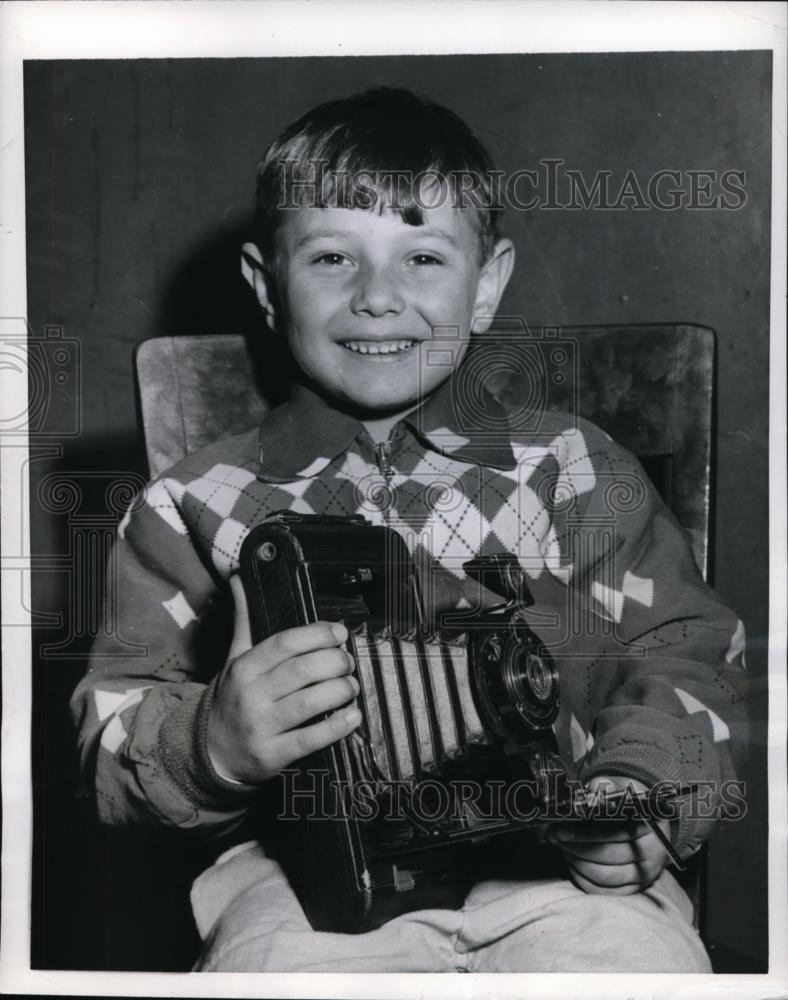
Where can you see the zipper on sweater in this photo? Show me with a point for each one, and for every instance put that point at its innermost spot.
(383, 458)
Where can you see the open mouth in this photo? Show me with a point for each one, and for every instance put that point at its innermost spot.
(378, 346)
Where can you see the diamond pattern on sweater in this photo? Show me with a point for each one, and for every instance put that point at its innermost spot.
(464, 512)
(431, 492)
(314, 468)
(737, 646)
(576, 470)
(525, 525)
(179, 609)
(113, 735)
(226, 545)
(112, 702)
(531, 528)
(292, 496)
(351, 467)
(220, 487)
(337, 490)
(581, 741)
(449, 440)
(492, 514)
(110, 705)
(719, 729)
(124, 522)
(636, 588)
(162, 496)
(456, 539)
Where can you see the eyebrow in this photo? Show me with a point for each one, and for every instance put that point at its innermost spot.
(428, 231)
(327, 234)
(439, 233)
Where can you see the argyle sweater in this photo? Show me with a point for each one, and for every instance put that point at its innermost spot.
(650, 663)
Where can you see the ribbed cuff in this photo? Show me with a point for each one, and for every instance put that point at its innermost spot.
(652, 766)
(183, 751)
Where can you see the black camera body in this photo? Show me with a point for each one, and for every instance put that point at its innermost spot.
(454, 721)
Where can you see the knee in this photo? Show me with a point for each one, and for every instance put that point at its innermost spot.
(562, 929)
(637, 933)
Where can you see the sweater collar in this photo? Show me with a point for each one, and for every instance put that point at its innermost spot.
(300, 438)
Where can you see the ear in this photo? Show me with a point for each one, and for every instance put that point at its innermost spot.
(493, 279)
(260, 280)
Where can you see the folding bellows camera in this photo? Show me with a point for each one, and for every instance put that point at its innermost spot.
(371, 825)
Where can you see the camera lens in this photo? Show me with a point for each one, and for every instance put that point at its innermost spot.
(516, 683)
(540, 677)
(529, 681)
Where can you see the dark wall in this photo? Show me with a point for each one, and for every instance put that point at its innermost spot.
(139, 182)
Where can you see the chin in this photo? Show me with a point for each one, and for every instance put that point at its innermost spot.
(379, 405)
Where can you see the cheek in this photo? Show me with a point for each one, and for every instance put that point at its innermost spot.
(451, 299)
(430, 376)
(307, 322)
(312, 307)
(309, 352)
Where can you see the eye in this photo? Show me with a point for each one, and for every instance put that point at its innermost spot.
(425, 260)
(331, 259)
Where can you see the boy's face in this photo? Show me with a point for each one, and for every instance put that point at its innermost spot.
(359, 294)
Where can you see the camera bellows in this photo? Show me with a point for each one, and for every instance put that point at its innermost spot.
(417, 703)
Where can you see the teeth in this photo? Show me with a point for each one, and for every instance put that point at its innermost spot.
(378, 346)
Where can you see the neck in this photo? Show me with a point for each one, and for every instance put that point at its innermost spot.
(380, 428)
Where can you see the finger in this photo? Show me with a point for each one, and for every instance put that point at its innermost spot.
(301, 706)
(598, 831)
(291, 642)
(242, 632)
(618, 797)
(596, 890)
(603, 784)
(310, 668)
(289, 747)
(643, 851)
(613, 877)
(607, 784)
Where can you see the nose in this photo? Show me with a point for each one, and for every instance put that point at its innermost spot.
(376, 292)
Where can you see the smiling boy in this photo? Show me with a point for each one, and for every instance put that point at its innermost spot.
(360, 292)
(361, 287)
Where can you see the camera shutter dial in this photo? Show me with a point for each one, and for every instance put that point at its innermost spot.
(515, 682)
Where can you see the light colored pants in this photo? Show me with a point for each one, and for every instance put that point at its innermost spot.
(250, 921)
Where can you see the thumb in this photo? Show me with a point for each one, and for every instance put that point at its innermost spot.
(603, 784)
(606, 784)
(242, 632)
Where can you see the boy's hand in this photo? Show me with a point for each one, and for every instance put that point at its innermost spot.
(616, 857)
(266, 692)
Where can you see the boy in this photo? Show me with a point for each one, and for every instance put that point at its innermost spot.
(370, 246)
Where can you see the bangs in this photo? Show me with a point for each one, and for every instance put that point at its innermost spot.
(382, 150)
(354, 183)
